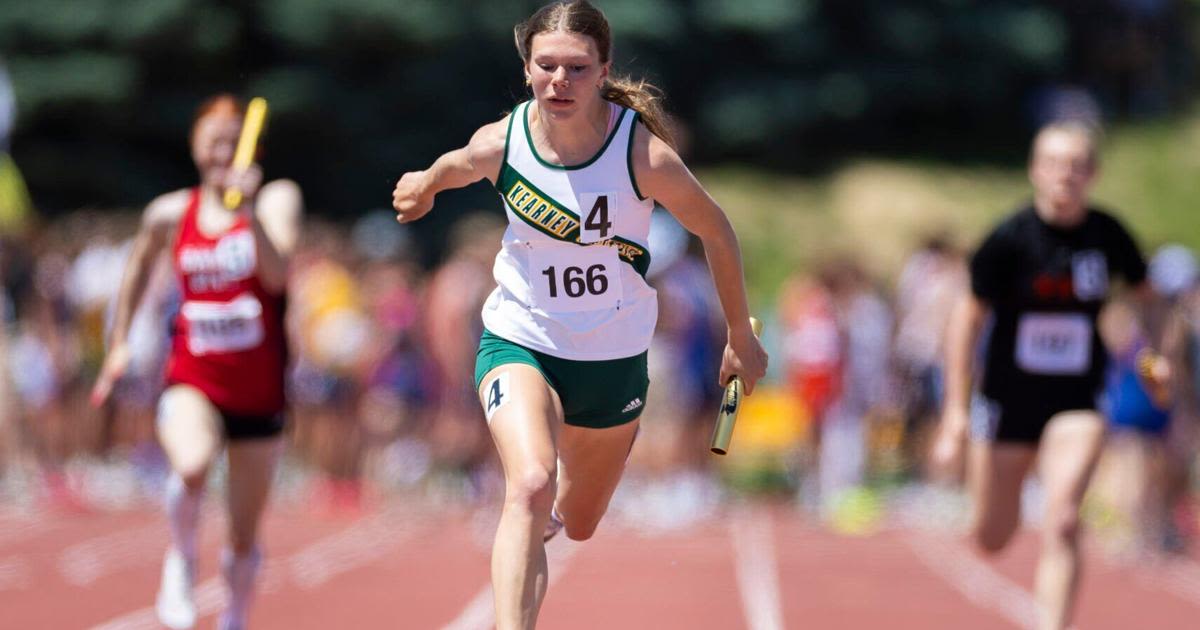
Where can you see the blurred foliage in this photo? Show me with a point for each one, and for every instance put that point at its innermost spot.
(789, 224)
(363, 90)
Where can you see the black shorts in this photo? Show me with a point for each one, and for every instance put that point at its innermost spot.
(1021, 419)
(240, 427)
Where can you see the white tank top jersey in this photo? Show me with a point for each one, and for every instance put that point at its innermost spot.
(571, 269)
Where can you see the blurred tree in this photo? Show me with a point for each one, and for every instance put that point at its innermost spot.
(364, 89)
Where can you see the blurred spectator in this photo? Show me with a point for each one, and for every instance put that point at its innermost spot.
(865, 324)
(1134, 456)
(929, 283)
(8, 108)
(452, 326)
(331, 336)
(670, 459)
(813, 358)
(15, 207)
(1148, 459)
(397, 387)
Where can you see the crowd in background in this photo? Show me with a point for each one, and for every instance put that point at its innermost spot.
(381, 389)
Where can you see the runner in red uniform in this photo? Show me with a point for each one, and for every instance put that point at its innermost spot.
(228, 338)
(226, 369)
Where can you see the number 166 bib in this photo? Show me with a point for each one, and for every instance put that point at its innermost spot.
(568, 278)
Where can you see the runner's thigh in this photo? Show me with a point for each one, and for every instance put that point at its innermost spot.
(189, 429)
(524, 416)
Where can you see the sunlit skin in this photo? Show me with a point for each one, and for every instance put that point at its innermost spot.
(566, 75)
(189, 424)
(213, 146)
(547, 462)
(1062, 170)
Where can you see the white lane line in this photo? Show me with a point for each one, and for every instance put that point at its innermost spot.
(14, 573)
(753, 540)
(480, 612)
(87, 561)
(209, 595)
(356, 546)
(1178, 576)
(975, 580)
(16, 528)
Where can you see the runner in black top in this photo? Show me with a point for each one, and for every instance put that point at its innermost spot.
(1046, 285)
(1044, 274)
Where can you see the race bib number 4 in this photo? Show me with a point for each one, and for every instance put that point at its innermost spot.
(569, 278)
(597, 211)
(1057, 344)
(218, 327)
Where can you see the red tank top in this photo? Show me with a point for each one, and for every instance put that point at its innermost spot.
(228, 339)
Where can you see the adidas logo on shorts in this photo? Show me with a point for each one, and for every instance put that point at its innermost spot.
(633, 404)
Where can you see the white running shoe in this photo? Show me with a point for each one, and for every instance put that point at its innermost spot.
(240, 573)
(175, 607)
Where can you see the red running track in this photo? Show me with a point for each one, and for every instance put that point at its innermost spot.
(755, 566)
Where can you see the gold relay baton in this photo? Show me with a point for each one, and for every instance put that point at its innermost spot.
(730, 403)
(243, 156)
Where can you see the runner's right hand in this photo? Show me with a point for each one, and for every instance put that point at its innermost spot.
(950, 444)
(111, 371)
(409, 199)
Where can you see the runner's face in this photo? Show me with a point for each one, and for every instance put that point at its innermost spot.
(565, 73)
(213, 146)
(1062, 171)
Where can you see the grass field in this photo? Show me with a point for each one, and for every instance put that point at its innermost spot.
(876, 210)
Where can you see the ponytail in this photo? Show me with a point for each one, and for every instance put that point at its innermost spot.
(643, 98)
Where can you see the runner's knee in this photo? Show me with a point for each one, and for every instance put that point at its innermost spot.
(581, 529)
(991, 539)
(193, 473)
(191, 462)
(533, 488)
(1062, 526)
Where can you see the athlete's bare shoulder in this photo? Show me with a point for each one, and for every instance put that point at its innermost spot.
(166, 210)
(282, 192)
(280, 205)
(656, 165)
(279, 208)
(487, 146)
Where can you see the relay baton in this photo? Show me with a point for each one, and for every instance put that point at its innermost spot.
(256, 114)
(730, 402)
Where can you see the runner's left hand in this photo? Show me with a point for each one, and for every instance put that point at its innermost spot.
(745, 357)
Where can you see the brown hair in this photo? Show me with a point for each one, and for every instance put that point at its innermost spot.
(223, 104)
(579, 16)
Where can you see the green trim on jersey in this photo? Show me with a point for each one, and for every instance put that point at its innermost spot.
(553, 219)
(629, 156)
(537, 208)
(563, 167)
(508, 135)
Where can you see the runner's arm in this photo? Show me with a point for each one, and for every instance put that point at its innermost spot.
(153, 237)
(659, 173)
(481, 158)
(962, 335)
(158, 226)
(276, 224)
